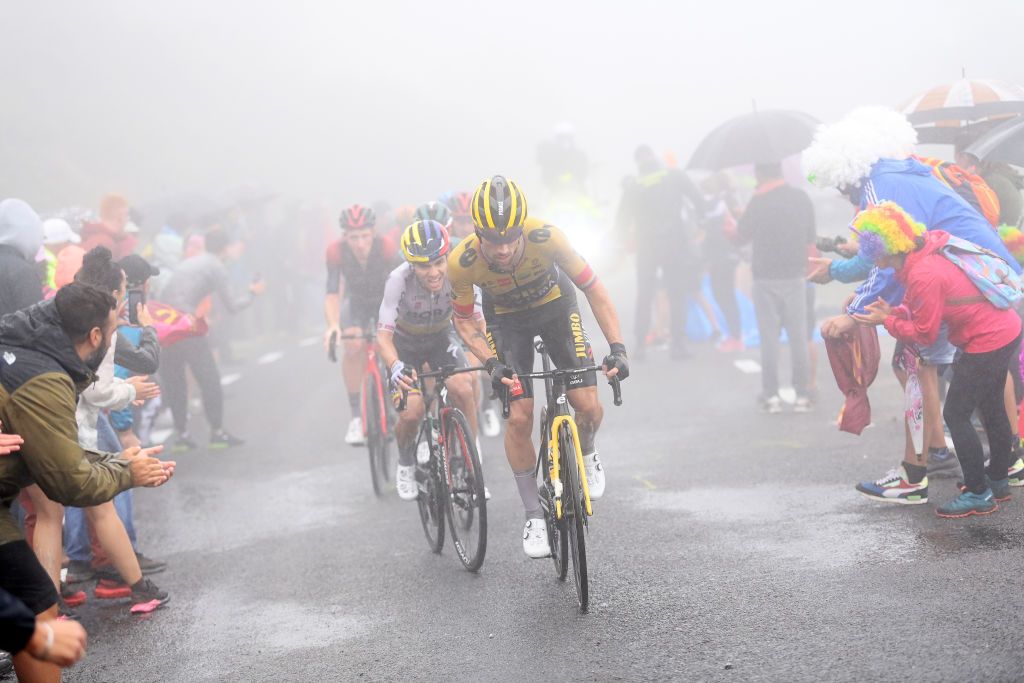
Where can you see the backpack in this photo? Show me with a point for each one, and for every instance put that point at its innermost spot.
(970, 186)
(989, 273)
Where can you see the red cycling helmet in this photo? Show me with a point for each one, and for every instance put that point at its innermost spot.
(461, 204)
(357, 217)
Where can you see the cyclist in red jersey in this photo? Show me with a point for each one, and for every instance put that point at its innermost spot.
(358, 265)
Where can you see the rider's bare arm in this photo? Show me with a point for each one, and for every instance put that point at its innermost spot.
(604, 311)
(473, 331)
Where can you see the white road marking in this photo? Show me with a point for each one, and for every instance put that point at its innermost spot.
(227, 380)
(745, 365)
(272, 357)
(309, 341)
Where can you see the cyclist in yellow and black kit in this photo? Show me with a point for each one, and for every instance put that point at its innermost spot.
(528, 274)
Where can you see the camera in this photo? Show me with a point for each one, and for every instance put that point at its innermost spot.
(830, 243)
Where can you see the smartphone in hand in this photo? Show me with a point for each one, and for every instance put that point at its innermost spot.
(135, 297)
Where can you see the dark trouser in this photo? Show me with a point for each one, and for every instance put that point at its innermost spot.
(782, 304)
(978, 383)
(723, 287)
(195, 353)
(679, 278)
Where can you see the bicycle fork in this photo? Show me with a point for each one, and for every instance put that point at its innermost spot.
(554, 449)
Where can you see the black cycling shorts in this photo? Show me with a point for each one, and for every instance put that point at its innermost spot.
(433, 350)
(357, 313)
(22, 576)
(559, 325)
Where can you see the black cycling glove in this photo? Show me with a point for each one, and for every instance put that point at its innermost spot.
(617, 359)
(497, 370)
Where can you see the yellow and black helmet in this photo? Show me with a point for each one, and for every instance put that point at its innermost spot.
(499, 210)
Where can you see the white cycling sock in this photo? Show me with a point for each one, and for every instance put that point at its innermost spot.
(526, 483)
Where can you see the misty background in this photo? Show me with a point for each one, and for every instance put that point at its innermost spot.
(353, 102)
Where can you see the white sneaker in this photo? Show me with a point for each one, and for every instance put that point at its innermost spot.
(354, 436)
(405, 482)
(771, 405)
(535, 539)
(490, 424)
(802, 405)
(595, 475)
(487, 493)
(423, 452)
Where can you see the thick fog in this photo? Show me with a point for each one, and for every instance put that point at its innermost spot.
(401, 100)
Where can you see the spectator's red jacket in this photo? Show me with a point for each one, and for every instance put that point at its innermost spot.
(939, 292)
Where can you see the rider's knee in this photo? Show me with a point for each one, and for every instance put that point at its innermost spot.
(520, 419)
(412, 414)
(355, 347)
(460, 387)
(588, 407)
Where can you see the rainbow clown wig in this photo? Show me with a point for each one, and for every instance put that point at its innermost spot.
(1013, 238)
(885, 229)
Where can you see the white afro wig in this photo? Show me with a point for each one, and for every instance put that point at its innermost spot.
(843, 153)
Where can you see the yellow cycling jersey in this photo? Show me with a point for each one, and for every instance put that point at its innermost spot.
(532, 282)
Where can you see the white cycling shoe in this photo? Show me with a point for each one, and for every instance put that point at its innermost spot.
(595, 475)
(354, 435)
(405, 482)
(490, 425)
(535, 539)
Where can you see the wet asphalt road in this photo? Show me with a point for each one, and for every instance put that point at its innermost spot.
(730, 546)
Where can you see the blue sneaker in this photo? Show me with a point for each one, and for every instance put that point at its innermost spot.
(1015, 475)
(894, 487)
(967, 504)
(1000, 489)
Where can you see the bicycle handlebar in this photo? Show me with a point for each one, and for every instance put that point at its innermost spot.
(442, 373)
(615, 382)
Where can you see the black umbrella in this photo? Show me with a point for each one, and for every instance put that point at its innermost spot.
(1004, 143)
(761, 137)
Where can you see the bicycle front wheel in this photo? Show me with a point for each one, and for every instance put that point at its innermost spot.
(375, 437)
(557, 537)
(431, 501)
(573, 514)
(466, 503)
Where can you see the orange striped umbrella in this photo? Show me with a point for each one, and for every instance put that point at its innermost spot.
(941, 113)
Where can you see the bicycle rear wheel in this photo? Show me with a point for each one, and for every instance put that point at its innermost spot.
(466, 503)
(430, 501)
(374, 436)
(573, 514)
(557, 537)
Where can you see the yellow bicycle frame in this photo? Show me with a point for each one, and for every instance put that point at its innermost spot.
(553, 450)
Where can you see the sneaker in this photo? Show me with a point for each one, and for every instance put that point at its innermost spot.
(968, 503)
(942, 461)
(730, 345)
(1015, 475)
(771, 405)
(182, 443)
(1000, 488)
(150, 566)
(487, 493)
(146, 597)
(72, 597)
(490, 425)
(595, 475)
(108, 589)
(802, 404)
(894, 488)
(220, 439)
(79, 571)
(535, 539)
(405, 482)
(354, 436)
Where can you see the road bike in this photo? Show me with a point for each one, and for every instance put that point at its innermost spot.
(451, 482)
(565, 494)
(376, 410)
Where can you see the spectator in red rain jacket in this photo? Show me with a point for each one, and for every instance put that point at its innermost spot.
(938, 291)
